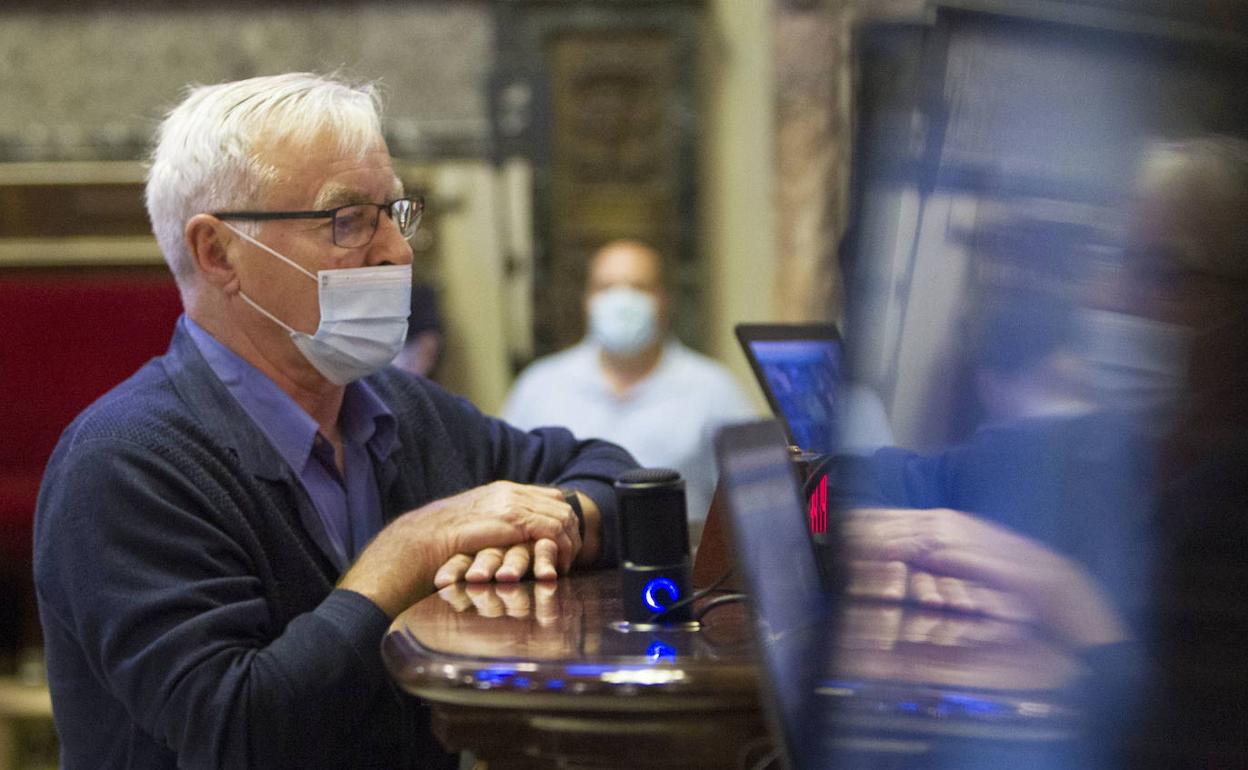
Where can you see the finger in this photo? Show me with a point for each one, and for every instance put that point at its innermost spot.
(484, 565)
(553, 493)
(564, 547)
(867, 530)
(515, 599)
(566, 536)
(452, 571)
(989, 570)
(485, 599)
(455, 596)
(877, 580)
(924, 590)
(949, 632)
(545, 558)
(955, 594)
(515, 564)
(562, 513)
(907, 547)
(547, 605)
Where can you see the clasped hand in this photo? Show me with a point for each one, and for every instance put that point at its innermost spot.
(485, 546)
(494, 532)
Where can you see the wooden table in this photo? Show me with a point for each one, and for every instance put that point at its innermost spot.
(528, 674)
(537, 675)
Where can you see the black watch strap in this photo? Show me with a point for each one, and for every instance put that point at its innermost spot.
(574, 502)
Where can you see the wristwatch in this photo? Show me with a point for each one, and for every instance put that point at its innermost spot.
(569, 497)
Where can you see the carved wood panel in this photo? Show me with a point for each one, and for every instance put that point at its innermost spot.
(602, 103)
(612, 160)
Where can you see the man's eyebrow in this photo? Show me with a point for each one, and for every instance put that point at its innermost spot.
(339, 195)
(336, 195)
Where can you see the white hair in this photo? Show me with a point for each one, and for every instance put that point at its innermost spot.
(206, 156)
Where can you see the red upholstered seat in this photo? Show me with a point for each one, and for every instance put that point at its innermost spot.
(66, 337)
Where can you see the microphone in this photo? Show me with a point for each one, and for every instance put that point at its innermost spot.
(654, 545)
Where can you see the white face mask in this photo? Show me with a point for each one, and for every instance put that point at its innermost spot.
(623, 320)
(1133, 363)
(364, 314)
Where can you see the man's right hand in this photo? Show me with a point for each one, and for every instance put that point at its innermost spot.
(398, 566)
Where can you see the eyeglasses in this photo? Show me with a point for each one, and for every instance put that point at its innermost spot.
(354, 224)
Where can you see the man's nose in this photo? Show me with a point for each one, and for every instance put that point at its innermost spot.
(388, 245)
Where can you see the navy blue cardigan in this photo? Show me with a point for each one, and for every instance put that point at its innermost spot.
(189, 619)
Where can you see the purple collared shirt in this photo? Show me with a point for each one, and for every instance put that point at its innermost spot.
(350, 505)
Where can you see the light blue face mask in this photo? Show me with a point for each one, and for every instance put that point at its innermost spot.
(1134, 364)
(364, 314)
(623, 320)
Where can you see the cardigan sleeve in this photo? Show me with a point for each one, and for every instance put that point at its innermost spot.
(138, 562)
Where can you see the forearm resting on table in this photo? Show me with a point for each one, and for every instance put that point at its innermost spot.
(393, 573)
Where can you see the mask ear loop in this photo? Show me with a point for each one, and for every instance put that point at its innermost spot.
(254, 242)
(266, 313)
(285, 259)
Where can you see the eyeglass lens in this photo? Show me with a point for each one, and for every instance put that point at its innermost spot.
(354, 226)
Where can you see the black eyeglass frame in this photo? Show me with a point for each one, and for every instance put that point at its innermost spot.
(417, 212)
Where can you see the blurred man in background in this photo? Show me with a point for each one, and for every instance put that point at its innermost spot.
(630, 382)
(426, 339)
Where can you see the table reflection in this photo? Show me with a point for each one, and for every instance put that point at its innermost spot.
(561, 635)
(892, 627)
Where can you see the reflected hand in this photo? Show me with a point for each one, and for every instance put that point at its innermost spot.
(493, 600)
(949, 543)
(538, 617)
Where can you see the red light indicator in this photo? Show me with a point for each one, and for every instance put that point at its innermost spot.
(818, 508)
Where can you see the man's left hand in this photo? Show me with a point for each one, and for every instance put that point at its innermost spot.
(505, 566)
(512, 564)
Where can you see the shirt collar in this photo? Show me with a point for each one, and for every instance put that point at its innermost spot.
(364, 419)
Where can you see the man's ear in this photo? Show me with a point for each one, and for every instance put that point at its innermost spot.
(207, 239)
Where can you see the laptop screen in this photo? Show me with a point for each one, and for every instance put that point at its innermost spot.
(799, 367)
(776, 562)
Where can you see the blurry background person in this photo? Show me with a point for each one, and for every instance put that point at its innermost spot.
(630, 382)
(422, 350)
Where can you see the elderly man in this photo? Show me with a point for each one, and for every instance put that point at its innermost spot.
(223, 539)
(629, 382)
